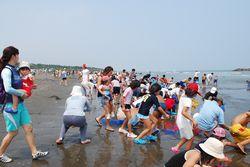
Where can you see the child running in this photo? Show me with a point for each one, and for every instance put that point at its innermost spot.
(27, 84)
(126, 106)
(148, 101)
(184, 119)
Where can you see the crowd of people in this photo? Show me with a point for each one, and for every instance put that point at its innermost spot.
(137, 100)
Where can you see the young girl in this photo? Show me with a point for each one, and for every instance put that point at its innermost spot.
(126, 106)
(184, 119)
(27, 84)
(106, 90)
(148, 101)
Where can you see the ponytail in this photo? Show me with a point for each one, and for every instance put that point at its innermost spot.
(7, 54)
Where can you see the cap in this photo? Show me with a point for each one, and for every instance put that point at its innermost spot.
(194, 87)
(24, 64)
(213, 90)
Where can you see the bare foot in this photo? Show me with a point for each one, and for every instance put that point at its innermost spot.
(241, 148)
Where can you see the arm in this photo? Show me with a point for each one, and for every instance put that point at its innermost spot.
(163, 112)
(192, 160)
(6, 75)
(87, 104)
(186, 115)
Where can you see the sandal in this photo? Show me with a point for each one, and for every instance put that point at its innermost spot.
(86, 141)
(110, 129)
(59, 142)
(98, 122)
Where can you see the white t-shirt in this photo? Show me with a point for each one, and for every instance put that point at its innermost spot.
(182, 121)
(115, 83)
(128, 95)
(85, 75)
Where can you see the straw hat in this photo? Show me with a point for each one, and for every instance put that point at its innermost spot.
(77, 91)
(213, 147)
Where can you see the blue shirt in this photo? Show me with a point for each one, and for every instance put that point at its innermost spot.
(210, 115)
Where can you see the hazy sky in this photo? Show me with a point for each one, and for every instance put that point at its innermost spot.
(156, 35)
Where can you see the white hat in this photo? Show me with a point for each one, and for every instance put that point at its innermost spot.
(213, 147)
(24, 64)
(213, 90)
(76, 91)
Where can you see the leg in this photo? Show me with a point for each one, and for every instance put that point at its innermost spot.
(64, 130)
(242, 144)
(148, 125)
(6, 141)
(189, 143)
(181, 143)
(29, 135)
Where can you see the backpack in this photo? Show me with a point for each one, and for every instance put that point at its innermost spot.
(3, 93)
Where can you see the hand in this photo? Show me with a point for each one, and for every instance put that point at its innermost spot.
(25, 96)
(195, 124)
(167, 116)
(34, 86)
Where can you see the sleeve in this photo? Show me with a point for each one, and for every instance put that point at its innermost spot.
(187, 102)
(155, 101)
(6, 75)
(221, 117)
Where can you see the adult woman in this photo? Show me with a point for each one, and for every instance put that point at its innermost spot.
(74, 114)
(12, 85)
(107, 107)
(205, 155)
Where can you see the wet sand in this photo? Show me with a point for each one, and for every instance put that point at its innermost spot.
(106, 148)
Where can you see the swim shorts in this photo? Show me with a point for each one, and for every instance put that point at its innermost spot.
(15, 121)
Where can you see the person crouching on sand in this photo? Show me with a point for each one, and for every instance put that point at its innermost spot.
(74, 115)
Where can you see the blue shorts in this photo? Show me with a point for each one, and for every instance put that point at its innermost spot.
(14, 121)
(140, 116)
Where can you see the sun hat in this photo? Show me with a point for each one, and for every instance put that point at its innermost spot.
(24, 64)
(220, 132)
(213, 90)
(76, 91)
(194, 87)
(213, 147)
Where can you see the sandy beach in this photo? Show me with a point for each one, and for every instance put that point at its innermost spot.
(106, 148)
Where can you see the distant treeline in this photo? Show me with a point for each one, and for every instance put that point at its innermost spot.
(58, 67)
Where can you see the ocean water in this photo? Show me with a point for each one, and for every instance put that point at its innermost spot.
(232, 87)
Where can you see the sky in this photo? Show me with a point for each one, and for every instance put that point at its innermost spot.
(148, 35)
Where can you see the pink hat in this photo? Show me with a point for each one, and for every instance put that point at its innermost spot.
(220, 132)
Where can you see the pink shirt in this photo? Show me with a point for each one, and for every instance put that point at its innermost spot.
(128, 94)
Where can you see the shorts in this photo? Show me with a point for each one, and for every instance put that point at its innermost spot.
(127, 106)
(116, 90)
(14, 121)
(64, 79)
(140, 116)
(239, 132)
